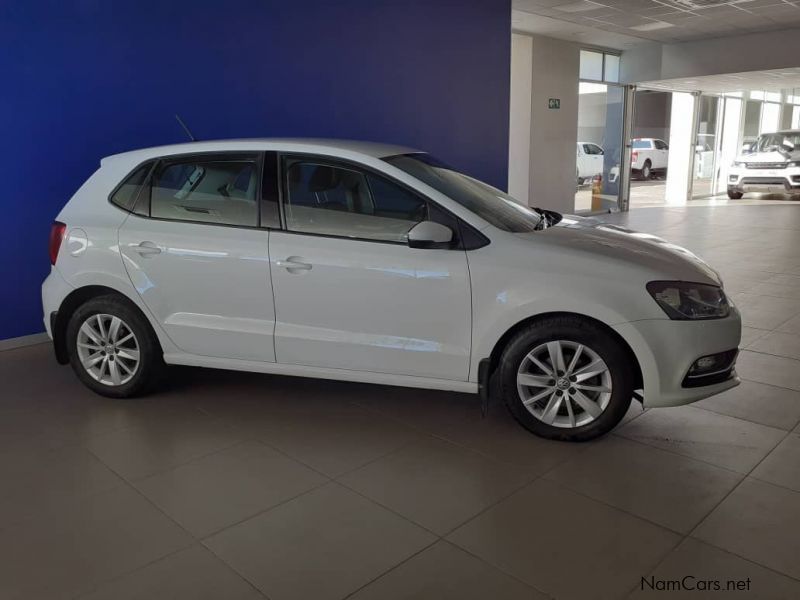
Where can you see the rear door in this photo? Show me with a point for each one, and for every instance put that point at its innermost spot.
(196, 249)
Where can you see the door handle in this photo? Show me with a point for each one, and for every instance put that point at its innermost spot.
(293, 264)
(147, 249)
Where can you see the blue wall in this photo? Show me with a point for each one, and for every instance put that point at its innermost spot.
(82, 79)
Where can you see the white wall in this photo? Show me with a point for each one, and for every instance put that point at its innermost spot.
(734, 54)
(554, 68)
(519, 138)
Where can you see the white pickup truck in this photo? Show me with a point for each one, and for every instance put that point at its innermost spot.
(648, 157)
(588, 162)
(771, 164)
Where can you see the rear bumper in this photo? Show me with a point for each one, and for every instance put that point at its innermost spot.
(667, 349)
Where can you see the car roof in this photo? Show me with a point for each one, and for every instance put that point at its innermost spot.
(307, 145)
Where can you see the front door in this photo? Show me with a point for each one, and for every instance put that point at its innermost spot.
(198, 258)
(350, 293)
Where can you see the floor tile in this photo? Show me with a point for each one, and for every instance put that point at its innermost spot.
(544, 532)
(670, 490)
(772, 370)
(692, 564)
(332, 442)
(445, 572)
(759, 522)
(191, 574)
(717, 439)
(63, 475)
(218, 490)
(782, 465)
(155, 446)
(750, 335)
(323, 545)
(765, 312)
(790, 326)
(778, 343)
(501, 438)
(757, 402)
(436, 484)
(69, 550)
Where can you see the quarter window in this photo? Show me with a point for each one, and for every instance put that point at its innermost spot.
(332, 200)
(126, 194)
(208, 191)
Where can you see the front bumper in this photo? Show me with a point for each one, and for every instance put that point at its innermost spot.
(666, 349)
(764, 180)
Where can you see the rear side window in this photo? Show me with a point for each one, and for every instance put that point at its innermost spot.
(208, 191)
(126, 194)
(641, 144)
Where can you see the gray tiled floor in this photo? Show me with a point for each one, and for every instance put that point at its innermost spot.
(235, 485)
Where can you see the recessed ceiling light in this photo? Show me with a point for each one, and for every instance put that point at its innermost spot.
(653, 26)
(576, 7)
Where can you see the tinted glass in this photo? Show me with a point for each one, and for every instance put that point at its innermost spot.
(489, 203)
(330, 200)
(221, 192)
(126, 194)
(591, 65)
(612, 68)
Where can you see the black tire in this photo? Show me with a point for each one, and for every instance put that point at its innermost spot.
(581, 331)
(735, 195)
(647, 170)
(150, 368)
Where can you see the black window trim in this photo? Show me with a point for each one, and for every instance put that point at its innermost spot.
(351, 165)
(254, 156)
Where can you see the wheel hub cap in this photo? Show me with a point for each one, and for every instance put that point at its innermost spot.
(564, 384)
(108, 349)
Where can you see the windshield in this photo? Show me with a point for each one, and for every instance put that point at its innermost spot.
(779, 141)
(489, 203)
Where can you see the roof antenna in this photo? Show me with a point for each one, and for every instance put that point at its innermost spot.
(185, 128)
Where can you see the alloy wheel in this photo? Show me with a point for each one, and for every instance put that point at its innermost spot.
(564, 383)
(108, 349)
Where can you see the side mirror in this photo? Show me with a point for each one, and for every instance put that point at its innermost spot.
(429, 234)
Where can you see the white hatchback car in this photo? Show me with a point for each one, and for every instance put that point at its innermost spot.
(375, 263)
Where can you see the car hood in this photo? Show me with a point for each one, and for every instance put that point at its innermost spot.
(614, 243)
(769, 157)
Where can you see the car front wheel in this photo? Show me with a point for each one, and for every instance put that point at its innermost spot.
(566, 378)
(112, 349)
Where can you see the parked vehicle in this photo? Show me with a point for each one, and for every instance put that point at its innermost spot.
(375, 263)
(589, 162)
(649, 156)
(772, 165)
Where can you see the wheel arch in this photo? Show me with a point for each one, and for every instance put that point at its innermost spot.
(72, 302)
(502, 342)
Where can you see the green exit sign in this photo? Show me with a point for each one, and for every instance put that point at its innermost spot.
(554, 103)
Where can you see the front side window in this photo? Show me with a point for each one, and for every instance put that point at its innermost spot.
(207, 191)
(332, 200)
(489, 203)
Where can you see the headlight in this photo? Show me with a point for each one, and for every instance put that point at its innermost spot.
(794, 164)
(689, 301)
(737, 163)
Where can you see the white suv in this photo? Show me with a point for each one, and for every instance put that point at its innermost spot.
(375, 263)
(649, 156)
(771, 165)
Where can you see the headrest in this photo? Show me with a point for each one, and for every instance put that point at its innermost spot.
(323, 179)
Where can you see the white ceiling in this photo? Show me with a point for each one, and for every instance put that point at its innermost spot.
(770, 81)
(624, 23)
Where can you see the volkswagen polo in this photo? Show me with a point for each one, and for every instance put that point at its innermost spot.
(376, 263)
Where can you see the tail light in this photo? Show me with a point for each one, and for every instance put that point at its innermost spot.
(57, 231)
(634, 156)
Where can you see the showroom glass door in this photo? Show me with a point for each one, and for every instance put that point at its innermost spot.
(706, 146)
(601, 123)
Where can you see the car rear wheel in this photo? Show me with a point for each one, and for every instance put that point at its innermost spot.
(735, 195)
(566, 378)
(647, 171)
(112, 348)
